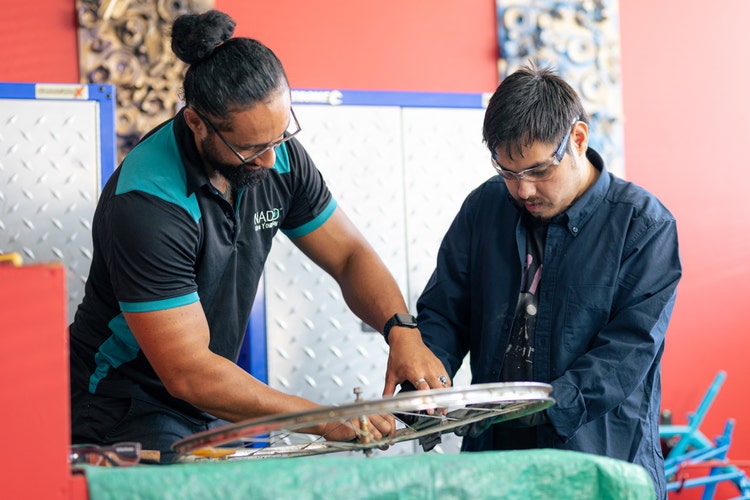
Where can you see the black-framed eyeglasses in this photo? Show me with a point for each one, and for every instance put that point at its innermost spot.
(540, 172)
(260, 149)
(118, 454)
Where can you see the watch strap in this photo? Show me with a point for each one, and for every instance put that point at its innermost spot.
(399, 319)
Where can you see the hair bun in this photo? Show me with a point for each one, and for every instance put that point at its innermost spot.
(195, 36)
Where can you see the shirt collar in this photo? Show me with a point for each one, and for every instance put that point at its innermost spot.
(194, 168)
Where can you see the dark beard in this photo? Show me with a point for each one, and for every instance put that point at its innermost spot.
(237, 176)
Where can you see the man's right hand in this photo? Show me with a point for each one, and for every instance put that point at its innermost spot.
(378, 427)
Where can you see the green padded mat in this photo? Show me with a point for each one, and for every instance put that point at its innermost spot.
(532, 474)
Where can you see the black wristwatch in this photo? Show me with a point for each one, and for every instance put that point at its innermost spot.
(399, 319)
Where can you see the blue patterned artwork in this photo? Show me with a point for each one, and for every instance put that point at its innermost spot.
(581, 40)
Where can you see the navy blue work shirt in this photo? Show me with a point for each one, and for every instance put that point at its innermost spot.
(611, 268)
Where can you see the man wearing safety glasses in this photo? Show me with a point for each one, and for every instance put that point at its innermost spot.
(557, 271)
(181, 234)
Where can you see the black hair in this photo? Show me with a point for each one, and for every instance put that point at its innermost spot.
(225, 74)
(531, 105)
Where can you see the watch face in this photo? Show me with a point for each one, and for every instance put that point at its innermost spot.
(405, 319)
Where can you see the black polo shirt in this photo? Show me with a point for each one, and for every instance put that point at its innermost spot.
(164, 237)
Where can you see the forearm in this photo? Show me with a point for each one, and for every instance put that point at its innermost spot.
(369, 289)
(176, 344)
(223, 389)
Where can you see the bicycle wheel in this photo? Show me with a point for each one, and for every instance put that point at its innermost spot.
(279, 435)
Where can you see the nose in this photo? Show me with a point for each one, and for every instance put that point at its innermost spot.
(526, 189)
(267, 159)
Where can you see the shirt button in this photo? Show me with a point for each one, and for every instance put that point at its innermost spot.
(575, 229)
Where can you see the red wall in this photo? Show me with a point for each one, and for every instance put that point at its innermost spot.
(685, 72)
(423, 45)
(38, 42)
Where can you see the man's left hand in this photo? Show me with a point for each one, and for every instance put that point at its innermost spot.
(411, 361)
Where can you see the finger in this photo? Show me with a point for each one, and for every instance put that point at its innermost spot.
(378, 427)
(422, 384)
(436, 381)
(390, 387)
(336, 431)
(444, 381)
(381, 426)
(366, 432)
(386, 424)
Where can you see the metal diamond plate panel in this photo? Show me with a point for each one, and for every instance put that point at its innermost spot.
(49, 178)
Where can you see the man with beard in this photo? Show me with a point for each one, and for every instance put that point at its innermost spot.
(557, 271)
(181, 234)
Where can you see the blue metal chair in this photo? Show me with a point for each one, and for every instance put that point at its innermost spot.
(688, 448)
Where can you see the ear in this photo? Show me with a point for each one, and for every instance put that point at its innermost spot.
(194, 122)
(579, 137)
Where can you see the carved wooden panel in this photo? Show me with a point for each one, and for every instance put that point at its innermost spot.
(126, 43)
